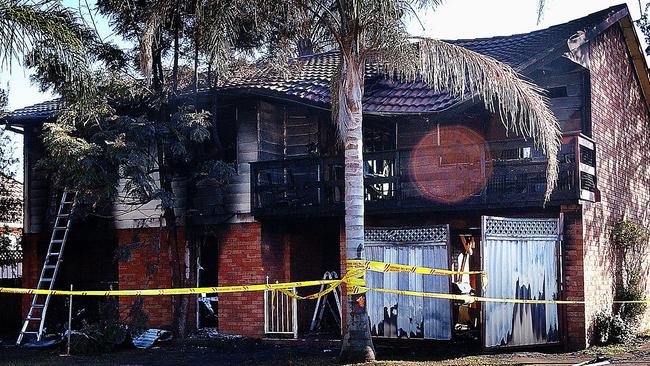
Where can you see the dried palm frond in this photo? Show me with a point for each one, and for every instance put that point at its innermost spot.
(464, 73)
(160, 11)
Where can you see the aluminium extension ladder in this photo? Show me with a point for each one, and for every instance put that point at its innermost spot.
(35, 320)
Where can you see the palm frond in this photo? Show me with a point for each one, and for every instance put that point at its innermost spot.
(160, 11)
(464, 73)
(540, 10)
(24, 26)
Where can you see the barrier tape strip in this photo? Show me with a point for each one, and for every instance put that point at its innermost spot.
(392, 267)
(173, 291)
(360, 290)
(401, 268)
(354, 279)
(329, 289)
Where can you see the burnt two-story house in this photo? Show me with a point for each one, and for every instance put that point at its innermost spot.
(446, 187)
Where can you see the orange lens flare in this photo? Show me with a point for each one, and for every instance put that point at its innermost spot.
(451, 164)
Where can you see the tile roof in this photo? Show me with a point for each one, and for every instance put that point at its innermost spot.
(36, 111)
(310, 83)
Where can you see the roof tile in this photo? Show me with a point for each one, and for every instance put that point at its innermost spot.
(310, 83)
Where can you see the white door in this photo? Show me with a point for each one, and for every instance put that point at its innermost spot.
(521, 259)
(401, 316)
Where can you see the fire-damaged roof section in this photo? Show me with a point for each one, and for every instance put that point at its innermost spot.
(310, 83)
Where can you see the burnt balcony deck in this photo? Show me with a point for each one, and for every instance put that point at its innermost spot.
(510, 174)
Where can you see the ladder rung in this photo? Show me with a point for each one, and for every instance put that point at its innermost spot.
(66, 208)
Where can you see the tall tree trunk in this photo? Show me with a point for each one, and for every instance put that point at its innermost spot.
(166, 178)
(177, 23)
(357, 343)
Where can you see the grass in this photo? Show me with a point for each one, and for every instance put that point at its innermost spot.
(463, 361)
(618, 349)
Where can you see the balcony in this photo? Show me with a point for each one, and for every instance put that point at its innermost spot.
(506, 174)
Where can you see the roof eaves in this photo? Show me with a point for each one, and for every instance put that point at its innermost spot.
(637, 55)
(563, 46)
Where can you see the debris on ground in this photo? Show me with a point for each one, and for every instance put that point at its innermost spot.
(598, 361)
(48, 341)
(213, 334)
(151, 336)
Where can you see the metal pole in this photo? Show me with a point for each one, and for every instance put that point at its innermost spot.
(198, 297)
(70, 320)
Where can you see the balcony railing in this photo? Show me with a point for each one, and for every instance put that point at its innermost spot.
(508, 174)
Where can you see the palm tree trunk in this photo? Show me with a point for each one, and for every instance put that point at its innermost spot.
(357, 343)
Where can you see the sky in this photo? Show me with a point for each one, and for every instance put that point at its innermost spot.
(454, 19)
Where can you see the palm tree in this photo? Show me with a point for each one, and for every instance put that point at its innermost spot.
(25, 25)
(374, 31)
(367, 31)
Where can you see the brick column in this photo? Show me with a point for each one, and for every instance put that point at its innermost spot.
(573, 270)
(31, 267)
(147, 266)
(248, 253)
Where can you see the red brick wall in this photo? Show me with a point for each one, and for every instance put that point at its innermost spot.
(572, 252)
(146, 265)
(621, 129)
(248, 253)
(31, 266)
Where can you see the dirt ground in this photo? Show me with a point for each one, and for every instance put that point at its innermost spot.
(252, 352)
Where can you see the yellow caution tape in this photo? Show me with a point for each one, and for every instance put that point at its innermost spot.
(355, 280)
(360, 290)
(631, 301)
(401, 268)
(329, 289)
(173, 291)
(356, 273)
(392, 267)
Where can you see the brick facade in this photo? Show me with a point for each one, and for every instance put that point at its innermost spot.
(32, 263)
(144, 263)
(248, 253)
(621, 130)
(574, 332)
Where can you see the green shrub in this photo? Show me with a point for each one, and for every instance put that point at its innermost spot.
(631, 240)
(627, 235)
(632, 291)
(621, 331)
(108, 332)
(610, 328)
(602, 327)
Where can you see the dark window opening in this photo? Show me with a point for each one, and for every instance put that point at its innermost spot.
(379, 136)
(208, 277)
(558, 92)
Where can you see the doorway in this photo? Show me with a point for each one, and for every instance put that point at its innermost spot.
(521, 259)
